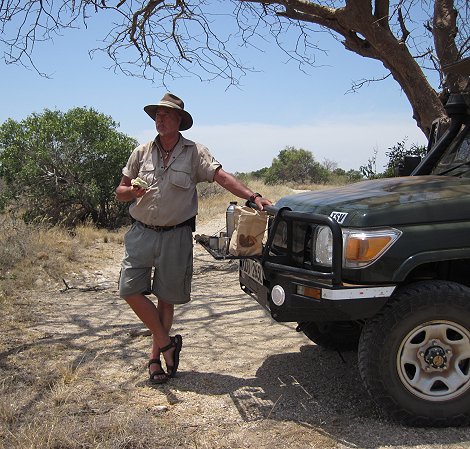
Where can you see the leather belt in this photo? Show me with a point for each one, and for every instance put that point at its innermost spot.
(188, 222)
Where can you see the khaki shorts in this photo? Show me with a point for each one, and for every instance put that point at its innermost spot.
(158, 262)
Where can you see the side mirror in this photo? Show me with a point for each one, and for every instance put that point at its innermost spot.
(407, 165)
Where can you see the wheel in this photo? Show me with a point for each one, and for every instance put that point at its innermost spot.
(336, 335)
(414, 356)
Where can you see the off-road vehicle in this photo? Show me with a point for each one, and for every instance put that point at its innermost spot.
(383, 266)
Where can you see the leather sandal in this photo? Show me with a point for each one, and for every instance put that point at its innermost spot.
(162, 376)
(175, 342)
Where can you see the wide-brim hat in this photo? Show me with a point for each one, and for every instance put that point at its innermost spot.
(171, 101)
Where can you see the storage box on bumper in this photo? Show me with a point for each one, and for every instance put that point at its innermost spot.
(287, 281)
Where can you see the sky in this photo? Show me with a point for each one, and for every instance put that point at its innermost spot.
(244, 127)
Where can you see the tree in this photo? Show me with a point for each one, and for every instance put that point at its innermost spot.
(350, 175)
(295, 165)
(164, 39)
(64, 167)
(397, 153)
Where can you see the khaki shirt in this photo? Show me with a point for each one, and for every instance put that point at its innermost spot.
(172, 196)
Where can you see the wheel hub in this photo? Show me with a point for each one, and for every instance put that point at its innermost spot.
(435, 357)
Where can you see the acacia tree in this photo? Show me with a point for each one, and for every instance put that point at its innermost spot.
(161, 39)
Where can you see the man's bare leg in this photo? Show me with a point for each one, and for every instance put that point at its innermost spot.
(165, 314)
(150, 315)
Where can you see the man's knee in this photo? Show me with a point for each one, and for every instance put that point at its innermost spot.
(136, 297)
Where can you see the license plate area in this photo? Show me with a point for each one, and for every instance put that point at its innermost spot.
(253, 269)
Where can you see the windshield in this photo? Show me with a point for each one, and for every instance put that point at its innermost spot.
(456, 159)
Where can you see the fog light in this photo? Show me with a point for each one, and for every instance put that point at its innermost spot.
(278, 295)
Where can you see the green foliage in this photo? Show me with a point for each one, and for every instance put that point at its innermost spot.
(295, 165)
(340, 176)
(397, 153)
(260, 174)
(64, 167)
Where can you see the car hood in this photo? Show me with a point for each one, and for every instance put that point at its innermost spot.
(389, 201)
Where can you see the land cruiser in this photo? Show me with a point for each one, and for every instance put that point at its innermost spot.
(383, 267)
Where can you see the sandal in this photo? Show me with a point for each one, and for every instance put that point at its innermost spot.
(163, 377)
(175, 342)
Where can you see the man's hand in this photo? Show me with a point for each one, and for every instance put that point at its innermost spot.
(138, 191)
(261, 202)
(129, 189)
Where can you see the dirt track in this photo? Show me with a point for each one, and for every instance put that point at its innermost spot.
(244, 380)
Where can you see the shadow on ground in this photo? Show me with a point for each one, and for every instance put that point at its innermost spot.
(312, 387)
(318, 389)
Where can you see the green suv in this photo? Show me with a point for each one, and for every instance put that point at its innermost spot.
(383, 267)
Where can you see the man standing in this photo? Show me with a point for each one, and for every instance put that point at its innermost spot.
(161, 237)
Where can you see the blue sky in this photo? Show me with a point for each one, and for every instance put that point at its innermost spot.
(244, 128)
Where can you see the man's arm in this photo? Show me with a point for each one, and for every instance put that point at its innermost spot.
(233, 185)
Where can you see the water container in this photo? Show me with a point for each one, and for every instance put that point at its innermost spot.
(230, 218)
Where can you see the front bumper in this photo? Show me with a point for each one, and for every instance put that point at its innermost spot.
(331, 303)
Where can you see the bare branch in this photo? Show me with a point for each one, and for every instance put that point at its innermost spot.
(366, 82)
(161, 40)
(404, 32)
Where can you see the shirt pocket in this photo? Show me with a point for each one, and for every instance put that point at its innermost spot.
(147, 172)
(180, 175)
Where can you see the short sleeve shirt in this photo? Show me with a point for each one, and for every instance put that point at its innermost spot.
(172, 196)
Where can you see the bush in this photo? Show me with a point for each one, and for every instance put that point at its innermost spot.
(64, 167)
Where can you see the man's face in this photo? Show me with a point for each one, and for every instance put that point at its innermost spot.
(167, 121)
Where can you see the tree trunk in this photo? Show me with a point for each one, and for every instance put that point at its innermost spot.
(444, 31)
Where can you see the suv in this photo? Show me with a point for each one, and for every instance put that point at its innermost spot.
(383, 267)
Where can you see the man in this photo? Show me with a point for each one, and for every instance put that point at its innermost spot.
(161, 236)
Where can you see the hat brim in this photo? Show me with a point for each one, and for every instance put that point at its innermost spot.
(186, 119)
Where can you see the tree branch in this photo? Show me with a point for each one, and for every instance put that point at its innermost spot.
(404, 32)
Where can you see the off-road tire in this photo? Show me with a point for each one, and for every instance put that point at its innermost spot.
(334, 335)
(397, 342)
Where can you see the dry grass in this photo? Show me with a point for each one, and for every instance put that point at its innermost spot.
(35, 255)
(52, 394)
(49, 398)
(32, 255)
(72, 366)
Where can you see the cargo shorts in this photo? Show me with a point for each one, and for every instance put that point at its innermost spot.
(158, 262)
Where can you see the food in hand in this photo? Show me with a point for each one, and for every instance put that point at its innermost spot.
(138, 182)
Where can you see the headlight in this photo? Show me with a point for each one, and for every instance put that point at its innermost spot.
(323, 241)
(360, 247)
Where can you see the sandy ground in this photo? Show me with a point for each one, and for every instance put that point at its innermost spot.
(244, 380)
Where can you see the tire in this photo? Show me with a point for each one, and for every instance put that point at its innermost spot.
(414, 356)
(335, 335)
